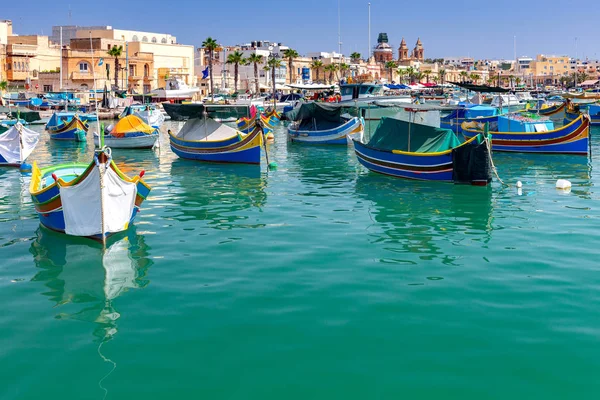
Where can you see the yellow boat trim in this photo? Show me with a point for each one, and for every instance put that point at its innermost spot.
(438, 153)
(477, 127)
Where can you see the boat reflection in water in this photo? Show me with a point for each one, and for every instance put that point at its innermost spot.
(83, 280)
(417, 218)
(215, 193)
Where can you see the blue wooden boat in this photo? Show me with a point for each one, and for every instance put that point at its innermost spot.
(535, 135)
(67, 126)
(74, 198)
(323, 123)
(414, 151)
(148, 113)
(205, 139)
(574, 111)
(476, 113)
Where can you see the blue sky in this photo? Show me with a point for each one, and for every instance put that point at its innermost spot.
(475, 28)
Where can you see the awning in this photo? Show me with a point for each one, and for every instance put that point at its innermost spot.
(590, 82)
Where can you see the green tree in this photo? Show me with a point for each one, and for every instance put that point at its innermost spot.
(442, 76)
(273, 63)
(474, 78)
(427, 73)
(116, 52)
(3, 86)
(355, 57)
(344, 68)
(390, 66)
(255, 59)
(331, 69)
(317, 65)
(236, 58)
(410, 72)
(290, 54)
(210, 45)
(463, 75)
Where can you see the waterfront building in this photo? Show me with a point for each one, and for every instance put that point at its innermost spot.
(383, 52)
(27, 56)
(170, 59)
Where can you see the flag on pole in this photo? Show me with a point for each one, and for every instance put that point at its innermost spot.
(205, 73)
(100, 61)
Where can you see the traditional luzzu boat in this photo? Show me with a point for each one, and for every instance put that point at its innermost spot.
(130, 132)
(413, 151)
(67, 126)
(149, 114)
(476, 113)
(529, 133)
(92, 200)
(16, 144)
(323, 123)
(573, 112)
(268, 120)
(549, 110)
(205, 139)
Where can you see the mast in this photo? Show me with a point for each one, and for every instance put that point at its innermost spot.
(369, 46)
(100, 133)
(60, 71)
(339, 30)
(576, 70)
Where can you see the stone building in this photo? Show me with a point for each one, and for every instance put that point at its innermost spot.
(383, 52)
(417, 55)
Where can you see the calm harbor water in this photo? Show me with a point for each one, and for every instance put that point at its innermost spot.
(316, 280)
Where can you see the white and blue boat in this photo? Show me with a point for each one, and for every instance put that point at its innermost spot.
(148, 113)
(67, 126)
(323, 123)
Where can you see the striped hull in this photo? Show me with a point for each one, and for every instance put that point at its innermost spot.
(243, 150)
(569, 139)
(552, 110)
(419, 167)
(570, 117)
(70, 131)
(352, 129)
(48, 204)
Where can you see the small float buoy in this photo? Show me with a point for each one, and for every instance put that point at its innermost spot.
(25, 167)
(563, 184)
(519, 184)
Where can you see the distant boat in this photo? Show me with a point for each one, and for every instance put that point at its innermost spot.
(478, 113)
(523, 134)
(130, 132)
(148, 113)
(413, 151)
(175, 89)
(323, 123)
(574, 111)
(67, 126)
(16, 144)
(92, 200)
(205, 139)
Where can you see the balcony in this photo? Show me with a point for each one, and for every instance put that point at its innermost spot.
(23, 50)
(135, 77)
(13, 75)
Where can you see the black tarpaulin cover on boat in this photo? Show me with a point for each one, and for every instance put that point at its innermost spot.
(481, 88)
(182, 112)
(317, 116)
(24, 113)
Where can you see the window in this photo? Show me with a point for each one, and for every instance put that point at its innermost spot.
(154, 40)
(134, 38)
(83, 66)
(163, 40)
(131, 69)
(47, 88)
(84, 86)
(35, 73)
(145, 39)
(146, 70)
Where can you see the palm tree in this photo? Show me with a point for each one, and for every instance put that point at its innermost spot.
(116, 52)
(210, 45)
(564, 80)
(583, 77)
(236, 58)
(390, 66)
(410, 71)
(442, 76)
(426, 73)
(3, 86)
(518, 80)
(344, 69)
(355, 57)
(290, 54)
(474, 78)
(418, 76)
(317, 65)
(255, 59)
(272, 64)
(464, 75)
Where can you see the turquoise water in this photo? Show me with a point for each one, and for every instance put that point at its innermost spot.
(317, 280)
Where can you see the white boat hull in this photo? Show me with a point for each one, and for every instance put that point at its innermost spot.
(137, 142)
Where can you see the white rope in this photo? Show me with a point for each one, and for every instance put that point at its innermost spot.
(489, 147)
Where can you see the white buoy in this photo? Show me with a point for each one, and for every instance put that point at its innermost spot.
(563, 184)
(519, 184)
(519, 192)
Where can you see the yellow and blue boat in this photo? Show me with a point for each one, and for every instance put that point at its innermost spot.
(320, 123)
(67, 126)
(420, 152)
(92, 200)
(205, 139)
(574, 111)
(523, 134)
